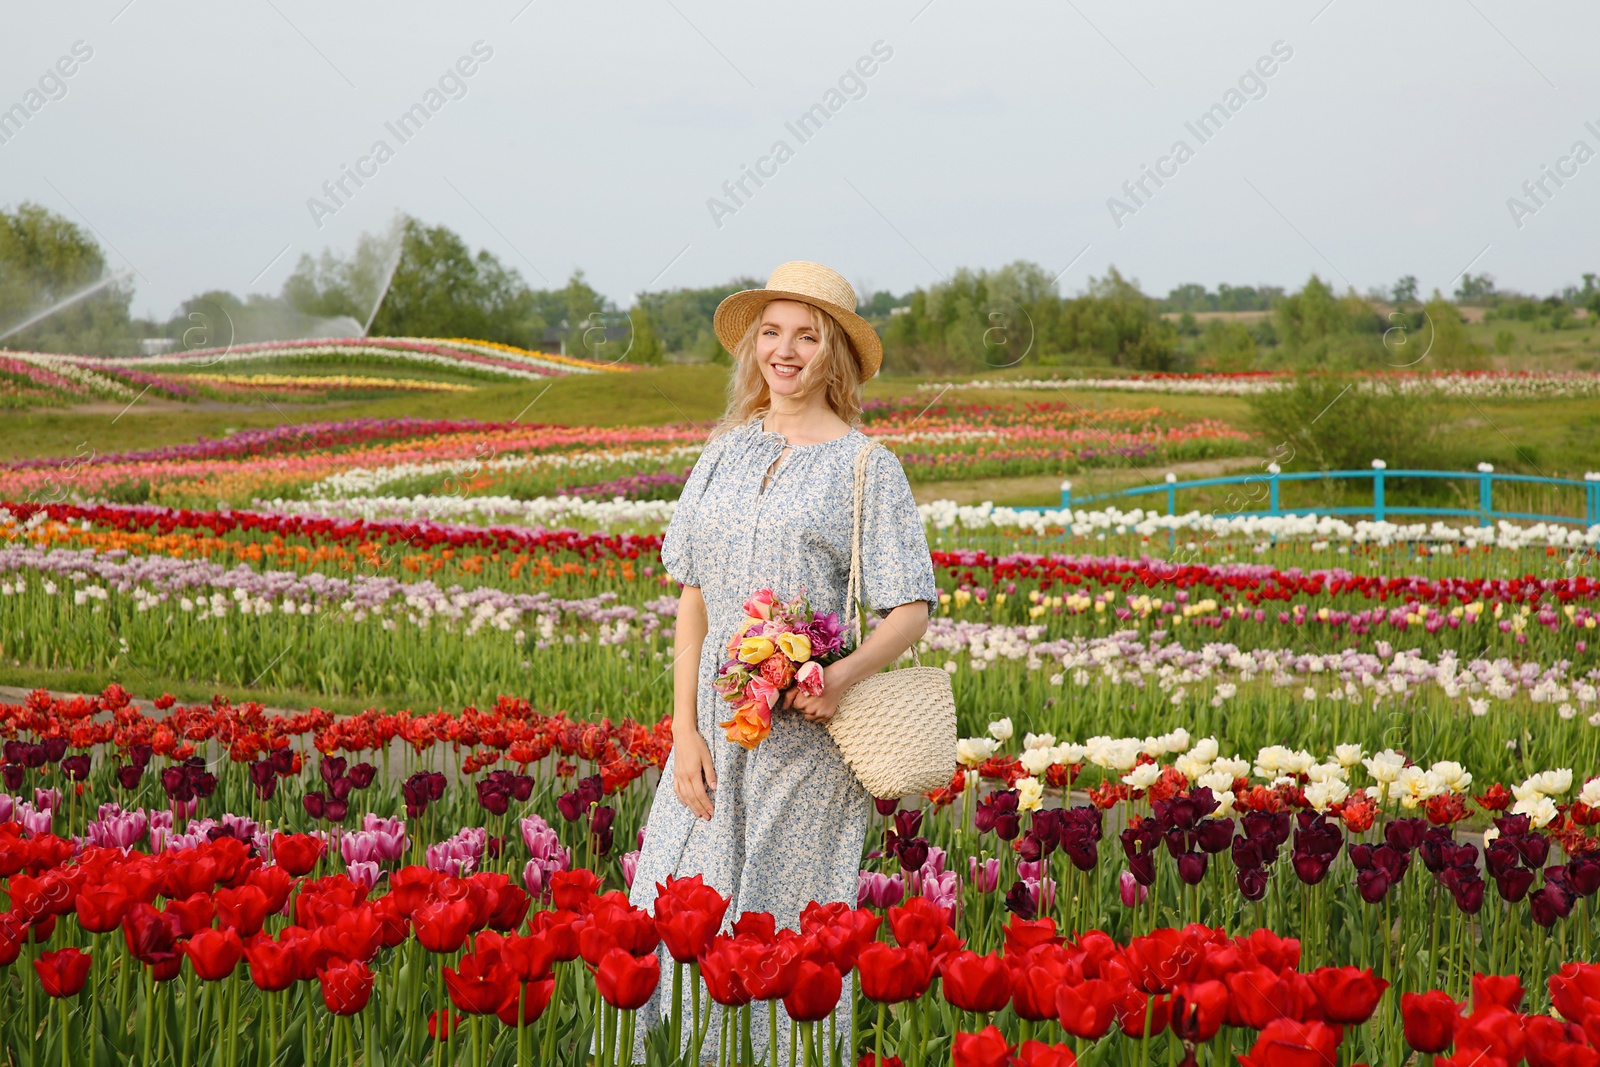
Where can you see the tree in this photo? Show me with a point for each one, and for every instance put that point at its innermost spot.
(646, 345)
(1448, 344)
(46, 259)
(1473, 290)
(1405, 290)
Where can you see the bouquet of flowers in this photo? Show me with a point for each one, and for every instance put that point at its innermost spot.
(780, 645)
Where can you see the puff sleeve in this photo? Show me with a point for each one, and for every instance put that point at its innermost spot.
(895, 565)
(677, 543)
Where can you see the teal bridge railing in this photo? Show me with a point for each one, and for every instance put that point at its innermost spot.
(1380, 510)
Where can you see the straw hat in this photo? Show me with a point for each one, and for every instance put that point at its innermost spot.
(809, 283)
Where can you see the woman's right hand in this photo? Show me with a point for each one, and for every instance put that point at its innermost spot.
(693, 774)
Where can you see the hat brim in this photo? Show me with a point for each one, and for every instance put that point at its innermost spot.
(735, 314)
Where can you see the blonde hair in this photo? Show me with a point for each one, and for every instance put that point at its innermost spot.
(834, 371)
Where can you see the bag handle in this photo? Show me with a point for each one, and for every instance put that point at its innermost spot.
(853, 587)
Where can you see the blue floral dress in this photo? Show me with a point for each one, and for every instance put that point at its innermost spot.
(789, 818)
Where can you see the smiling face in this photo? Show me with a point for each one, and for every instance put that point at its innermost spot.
(786, 340)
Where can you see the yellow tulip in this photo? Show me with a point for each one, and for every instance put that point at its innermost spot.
(755, 649)
(796, 646)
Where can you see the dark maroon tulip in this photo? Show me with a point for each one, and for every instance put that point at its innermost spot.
(128, 776)
(1215, 835)
(1534, 849)
(1514, 884)
(1310, 869)
(54, 748)
(76, 767)
(1551, 902)
(315, 803)
(913, 854)
(1393, 861)
(1513, 825)
(1583, 873)
(1468, 895)
(886, 805)
(176, 784)
(1252, 882)
(522, 788)
(282, 760)
(13, 773)
(908, 822)
(361, 775)
(337, 810)
(494, 801)
(332, 767)
(1405, 834)
(1019, 901)
(1192, 867)
(1372, 884)
(263, 779)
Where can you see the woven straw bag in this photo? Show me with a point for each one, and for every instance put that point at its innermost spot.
(896, 729)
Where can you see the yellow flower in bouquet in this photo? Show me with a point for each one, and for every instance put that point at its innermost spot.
(755, 649)
(795, 645)
(750, 725)
(738, 635)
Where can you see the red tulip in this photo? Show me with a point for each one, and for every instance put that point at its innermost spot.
(214, 953)
(559, 929)
(687, 932)
(571, 890)
(626, 981)
(1492, 1030)
(479, 987)
(1140, 1014)
(297, 853)
(273, 966)
(1023, 934)
(890, 975)
(193, 913)
(869, 1059)
(1039, 1054)
(1430, 1020)
(443, 925)
(816, 991)
(1199, 1009)
(720, 969)
(1036, 976)
(1490, 989)
(756, 926)
(1259, 996)
(987, 1048)
(62, 973)
(919, 919)
(346, 986)
(1288, 1043)
(244, 909)
(1347, 994)
(1085, 1008)
(535, 999)
(976, 983)
(528, 959)
(442, 1024)
(101, 907)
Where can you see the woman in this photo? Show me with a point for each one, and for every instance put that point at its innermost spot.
(768, 505)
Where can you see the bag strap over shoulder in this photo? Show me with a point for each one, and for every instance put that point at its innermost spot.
(854, 621)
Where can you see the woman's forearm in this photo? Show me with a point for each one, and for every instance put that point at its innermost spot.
(899, 630)
(689, 635)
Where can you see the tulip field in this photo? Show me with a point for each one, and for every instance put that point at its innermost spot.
(377, 708)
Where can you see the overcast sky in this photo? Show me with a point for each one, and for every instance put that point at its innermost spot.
(593, 135)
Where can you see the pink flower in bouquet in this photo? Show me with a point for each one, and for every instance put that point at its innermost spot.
(779, 670)
(759, 606)
(759, 689)
(808, 679)
(826, 633)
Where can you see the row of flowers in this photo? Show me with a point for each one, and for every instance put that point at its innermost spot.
(509, 361)
(1492, 385)
(1285, 852)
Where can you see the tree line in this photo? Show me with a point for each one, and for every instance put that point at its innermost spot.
(422, 280)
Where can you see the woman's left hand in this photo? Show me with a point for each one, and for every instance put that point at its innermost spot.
(821, 708)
